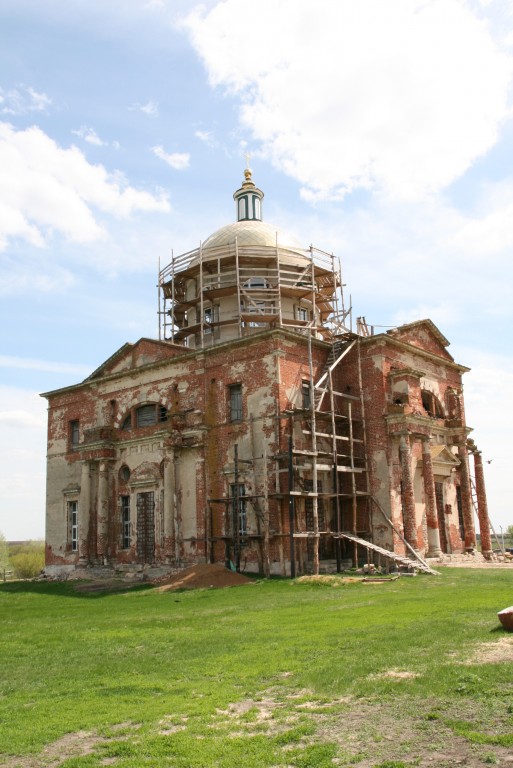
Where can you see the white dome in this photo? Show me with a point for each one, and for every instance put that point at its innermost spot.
(253, 233)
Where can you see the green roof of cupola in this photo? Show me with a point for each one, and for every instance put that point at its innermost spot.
(248, 199)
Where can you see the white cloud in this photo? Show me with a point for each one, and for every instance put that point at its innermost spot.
(90, 136)
(30, 276)
(207, 137)
(151, 108)
(23, 99)
(177, 160)
(398, 97)
(404, 261)
(22, 463)
(45, 189)
(488, 389)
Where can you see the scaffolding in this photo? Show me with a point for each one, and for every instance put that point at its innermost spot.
(327, 473)
(319, 486)
(317, 482)
(260, 287)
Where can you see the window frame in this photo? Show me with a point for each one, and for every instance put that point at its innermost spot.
(235, 405)
(74, 434)
(72, 512)
(302, 314)
(132, 420)
(210, 318)
(242, 512)
(306, 395)
(126, 524)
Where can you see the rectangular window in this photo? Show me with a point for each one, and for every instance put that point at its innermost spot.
(258, 308)
(126, 537)
(210, 316)
(235, 402)
(73, 524)
(238, 494)
(74, 434)
(302, 314)
(306, 394)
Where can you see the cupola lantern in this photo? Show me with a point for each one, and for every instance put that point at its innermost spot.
(248, 199)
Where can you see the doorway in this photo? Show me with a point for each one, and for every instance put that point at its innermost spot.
(146, 527)
(440, 509)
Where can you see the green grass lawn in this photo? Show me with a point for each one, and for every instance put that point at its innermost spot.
(417, 671)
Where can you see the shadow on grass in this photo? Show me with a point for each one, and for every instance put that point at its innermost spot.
(82, 589)
(500, 630)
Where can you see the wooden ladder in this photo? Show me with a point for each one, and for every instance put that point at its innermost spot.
(418, 563)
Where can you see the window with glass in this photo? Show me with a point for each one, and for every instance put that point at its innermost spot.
(306, 394)
(74, 434)
(210, 316)
(239, 509)
(73, 524)
(235, 402)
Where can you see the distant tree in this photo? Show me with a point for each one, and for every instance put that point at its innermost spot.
(509, 532)
(4, 555)
(28, 559)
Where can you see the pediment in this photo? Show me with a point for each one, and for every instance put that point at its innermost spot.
(132, 356)
(443, 460)
(147, 473)
(440, 454)
(424, 335)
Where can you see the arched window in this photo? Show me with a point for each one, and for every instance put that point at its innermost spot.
(256, 283)
(146, 415)
(124, 474)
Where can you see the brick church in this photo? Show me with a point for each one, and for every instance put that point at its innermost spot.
(260, 430)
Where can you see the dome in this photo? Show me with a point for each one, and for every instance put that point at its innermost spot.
(252, 233)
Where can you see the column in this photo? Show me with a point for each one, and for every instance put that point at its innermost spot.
(410, 526)
(482, 506)
(103, 513)
(177, 516)
(169, 505)
(466, 497)
(433, 533)
(84, 513)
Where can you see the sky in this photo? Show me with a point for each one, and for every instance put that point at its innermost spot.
(381, 132)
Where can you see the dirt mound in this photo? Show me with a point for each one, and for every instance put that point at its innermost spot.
(204, 577)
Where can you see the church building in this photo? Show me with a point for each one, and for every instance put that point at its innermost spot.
(260, 429)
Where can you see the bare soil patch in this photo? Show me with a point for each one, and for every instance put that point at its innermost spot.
(334, 581)
(493, 653)
(395, 674)
(368, 734)
(204, 576)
